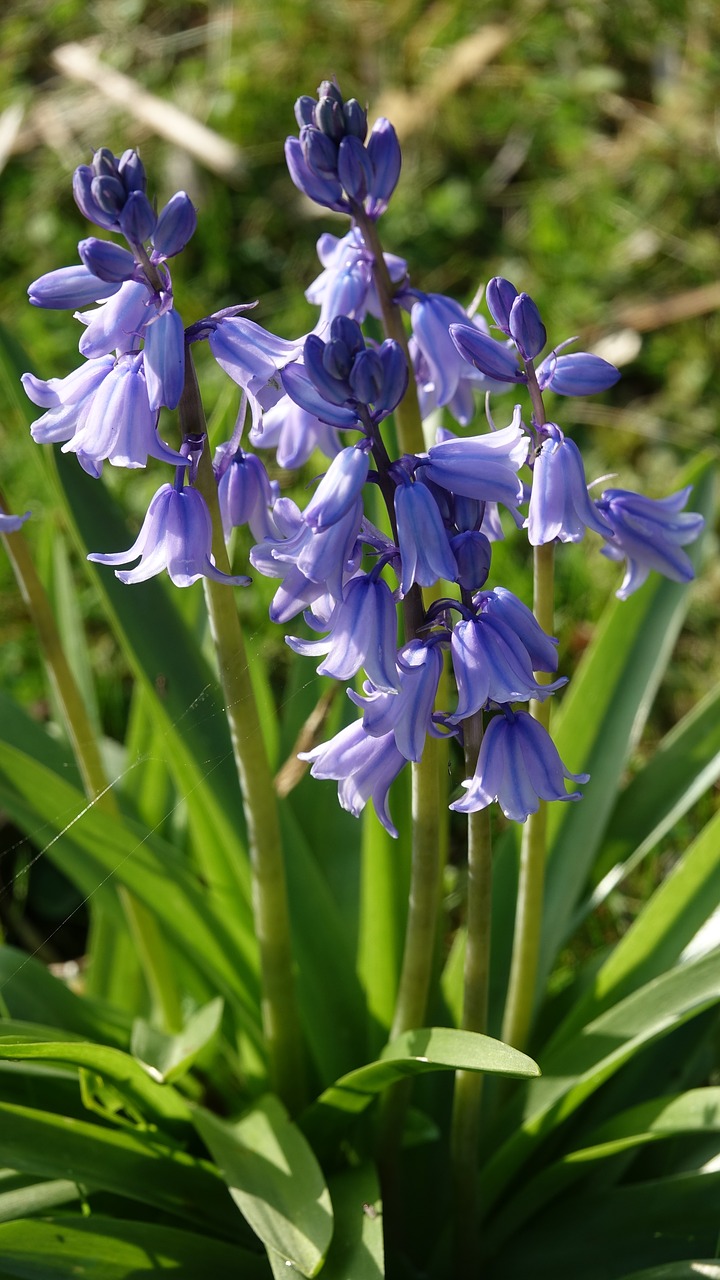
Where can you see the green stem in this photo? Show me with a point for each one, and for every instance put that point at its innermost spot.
(528, 913)
(467, 1101)
(407, 414)
(141, 922)
(281, 1023)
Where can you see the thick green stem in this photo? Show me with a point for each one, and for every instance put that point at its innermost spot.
(407, 414)
(528, 913)
(141, 922)
(281, 1023)
(467, 1102)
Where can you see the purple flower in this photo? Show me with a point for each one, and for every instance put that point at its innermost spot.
(490, 661)
(70, 287)
(329, 162)
(310, 562)
(346, 286)
(364, 766)
(294, 433)
(362, 633)
(422, 539)
(444, 371)
(101, 411)
(518, 766)
(494, 359)
(11, 524)
(251, 356)
(482, 467)
(648, 533)
(560, 505)
(245, 493)
(578, 374)
(408, 714)
(342, 374)
(339, 488)
(176, 535)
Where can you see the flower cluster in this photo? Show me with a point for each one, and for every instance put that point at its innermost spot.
(436, 510)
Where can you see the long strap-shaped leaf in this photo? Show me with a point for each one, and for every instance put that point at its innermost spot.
(600, 719)
(576, 1069)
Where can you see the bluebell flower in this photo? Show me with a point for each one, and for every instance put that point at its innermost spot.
(346, 285)
(484, 467)
(294, 434)
(541, 648)
(70, 287)
(362, 634)
(560, 506)
(311, 562)
(518, 766)
(490, 660)
(496, 360)
(133, 287)
(649, 533)
(339, 488)
(11, 524)
(176, 535)
(517, 316)
(408, 713)
(245, 493)
(422, 538)
(365, 768)
(577, 374)
(329, 161)
(102, 412)
(342, 374)
(250, 355)
(443, 371)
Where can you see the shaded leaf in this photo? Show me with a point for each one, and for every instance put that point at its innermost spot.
(99, 1248)
(275, 1180)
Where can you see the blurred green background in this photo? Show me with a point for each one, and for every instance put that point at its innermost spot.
(571, 146)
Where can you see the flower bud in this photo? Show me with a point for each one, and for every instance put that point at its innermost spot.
(305, 110)
(329, 118)
(175, 226)
(355, 169)
(366, 377)
(108, 193)
(131, 172)
(109, 262)
(500, 296)
(384, 152)
(526, 328)
(355, 119)
(137, 219)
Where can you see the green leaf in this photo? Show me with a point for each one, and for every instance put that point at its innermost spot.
(385, 880)
(697, 1111)
(168, 1057)
(275, 1180)
(600, 719)
(658, 936)
(162, 1105)
(29, 992)
(21, 1196)
(609, 1234)
(356, 1252)
(183, 690)
(128, 1164)
(96, 847)
(683, 767)
(414, 1053)
(99, 1248)
(575, 1069)
(690, 1270)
